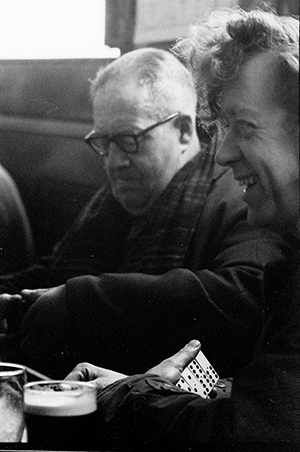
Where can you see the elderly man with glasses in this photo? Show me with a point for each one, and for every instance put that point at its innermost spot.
(163, 252)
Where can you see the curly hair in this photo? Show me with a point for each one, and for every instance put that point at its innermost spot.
(217, 47)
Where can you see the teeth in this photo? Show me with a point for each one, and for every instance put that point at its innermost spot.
(247, 181)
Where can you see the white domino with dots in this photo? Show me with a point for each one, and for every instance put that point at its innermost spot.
(199, 377)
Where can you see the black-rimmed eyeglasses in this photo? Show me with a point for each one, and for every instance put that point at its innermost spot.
(128, 143)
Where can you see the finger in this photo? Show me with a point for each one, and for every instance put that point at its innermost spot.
(183, 358)
(84, 372)
(33, 295)
(78, 373)
(99, 376)
(6, 297)
(171, 368)
(33, 291)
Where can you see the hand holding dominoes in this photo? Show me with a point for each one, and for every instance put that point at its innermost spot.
(199, 377)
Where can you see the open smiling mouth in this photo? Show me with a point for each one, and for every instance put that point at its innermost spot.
(248, 182)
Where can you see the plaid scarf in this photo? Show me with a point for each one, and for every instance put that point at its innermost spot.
(105, 238)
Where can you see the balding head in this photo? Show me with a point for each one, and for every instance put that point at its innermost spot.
(163, 81)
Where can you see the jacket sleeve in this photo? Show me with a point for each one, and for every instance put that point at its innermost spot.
(264, 406)
(135, 313)
(216, 299)
(112, 319)
(263, 409)
(146, 410)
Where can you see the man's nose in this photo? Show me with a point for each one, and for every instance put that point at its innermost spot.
(228, 150)
(116, 156)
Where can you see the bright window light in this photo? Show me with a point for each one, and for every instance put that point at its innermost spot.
(35, 29)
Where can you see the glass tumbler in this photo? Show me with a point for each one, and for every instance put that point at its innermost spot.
(12, 380)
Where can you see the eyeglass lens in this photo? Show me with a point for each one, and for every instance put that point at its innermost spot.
(126, 143)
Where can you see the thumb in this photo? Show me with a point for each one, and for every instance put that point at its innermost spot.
(183, 358)
(171, 368)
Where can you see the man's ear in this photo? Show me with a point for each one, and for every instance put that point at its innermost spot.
(185, 125)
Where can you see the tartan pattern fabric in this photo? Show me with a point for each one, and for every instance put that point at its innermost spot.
(105, 238)
(159, 240)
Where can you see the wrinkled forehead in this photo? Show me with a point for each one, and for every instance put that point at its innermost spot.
(125, 95)
(121, 107)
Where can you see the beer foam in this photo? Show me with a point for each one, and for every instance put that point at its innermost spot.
(68, 400)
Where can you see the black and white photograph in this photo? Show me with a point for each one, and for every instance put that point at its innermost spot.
(149, 225)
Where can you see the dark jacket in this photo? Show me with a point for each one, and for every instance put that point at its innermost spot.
(265, 403)
(131, 321)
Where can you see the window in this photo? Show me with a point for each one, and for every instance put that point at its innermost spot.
(34, 29)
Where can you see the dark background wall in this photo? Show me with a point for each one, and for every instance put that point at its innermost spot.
(45, 111)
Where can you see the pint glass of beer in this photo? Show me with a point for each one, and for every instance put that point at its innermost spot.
(60, 414)
(12, 380)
